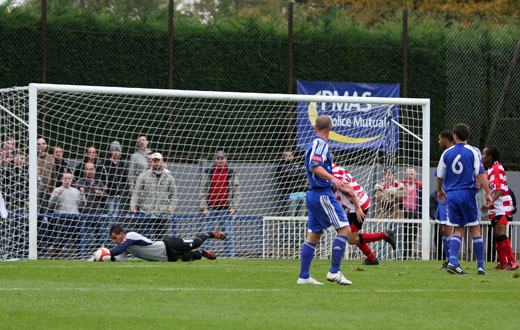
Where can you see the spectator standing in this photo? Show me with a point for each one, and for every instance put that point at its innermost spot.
(388, 196)
(8, 150)
(117, 178)
(155, 193)
(412, 205)
(218, 198)
(15, 183)
(46, 165)
(500, 211)
(138, 160)
(291, 185)
(91, 156)
(43, 196)
(60, 165)
(457, 174)
(65, 226)
(66, 199)
(93, 190)
(16, 186)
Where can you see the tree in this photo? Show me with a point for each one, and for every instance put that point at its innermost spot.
(133, 9)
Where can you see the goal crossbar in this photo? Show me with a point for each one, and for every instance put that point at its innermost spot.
(227, 95)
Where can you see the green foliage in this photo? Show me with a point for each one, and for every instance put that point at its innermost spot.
(252, 294)
(246, 50)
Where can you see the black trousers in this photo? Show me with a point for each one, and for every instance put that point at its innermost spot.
(186, 250)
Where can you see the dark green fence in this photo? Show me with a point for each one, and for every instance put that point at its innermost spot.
(465, 66)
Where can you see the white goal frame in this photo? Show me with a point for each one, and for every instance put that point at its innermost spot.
(35, 88)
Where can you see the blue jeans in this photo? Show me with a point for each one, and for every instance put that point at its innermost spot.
(220, 220)
(112, 210)
(113, 205)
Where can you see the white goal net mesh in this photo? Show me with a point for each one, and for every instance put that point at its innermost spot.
(95, 168)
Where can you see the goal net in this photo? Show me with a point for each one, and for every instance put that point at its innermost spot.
(231, 162)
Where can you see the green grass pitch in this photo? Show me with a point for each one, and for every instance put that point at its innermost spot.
(252, 294)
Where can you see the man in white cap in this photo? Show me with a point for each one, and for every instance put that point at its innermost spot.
(155, 193)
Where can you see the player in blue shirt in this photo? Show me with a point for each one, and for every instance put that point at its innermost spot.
(460, 167)
(325, 210)
(171, 248)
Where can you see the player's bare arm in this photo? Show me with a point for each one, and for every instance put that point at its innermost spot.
(349, 192)
(496, 195)
(482, 178)
(359, 212)
(322, 173)
(440, 192)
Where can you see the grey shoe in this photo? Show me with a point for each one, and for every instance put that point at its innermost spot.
(390, 238)
(371, 262)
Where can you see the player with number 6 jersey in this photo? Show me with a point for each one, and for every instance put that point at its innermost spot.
(457, 173)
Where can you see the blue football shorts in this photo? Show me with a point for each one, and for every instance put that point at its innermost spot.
(441, 216)
(324, 210)
(463, 208)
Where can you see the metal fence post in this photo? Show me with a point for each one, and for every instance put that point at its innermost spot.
(290, 23)
(171, 5)
(404, 87)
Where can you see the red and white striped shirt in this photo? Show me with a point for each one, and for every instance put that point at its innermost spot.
(363, 200)
(498, 181)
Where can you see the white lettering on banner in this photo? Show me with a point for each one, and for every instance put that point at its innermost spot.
(346, 106)
(357, 121)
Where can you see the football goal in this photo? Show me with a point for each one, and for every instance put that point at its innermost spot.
(82, 162)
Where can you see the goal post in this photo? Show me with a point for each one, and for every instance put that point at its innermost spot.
(187, 127)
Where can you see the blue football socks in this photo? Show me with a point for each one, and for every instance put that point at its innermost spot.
(478, 248)
(306, 259)
(338, 250)
(446, 245)
(455, 243)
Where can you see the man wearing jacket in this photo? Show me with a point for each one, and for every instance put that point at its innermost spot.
(155, 193)
(218, 196)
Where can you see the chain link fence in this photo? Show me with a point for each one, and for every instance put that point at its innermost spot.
(467, 66)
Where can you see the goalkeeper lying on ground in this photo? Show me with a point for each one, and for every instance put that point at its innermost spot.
(171, 248)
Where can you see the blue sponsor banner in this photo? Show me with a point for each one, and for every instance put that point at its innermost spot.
(355, 126)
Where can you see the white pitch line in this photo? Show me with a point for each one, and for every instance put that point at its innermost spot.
(347, 290)
(145, 289)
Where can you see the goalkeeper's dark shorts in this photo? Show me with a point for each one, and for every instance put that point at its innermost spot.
(177, 248)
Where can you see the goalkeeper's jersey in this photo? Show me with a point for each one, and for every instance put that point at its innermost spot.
(140, 247)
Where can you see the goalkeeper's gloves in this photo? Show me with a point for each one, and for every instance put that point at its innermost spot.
(93, 257)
